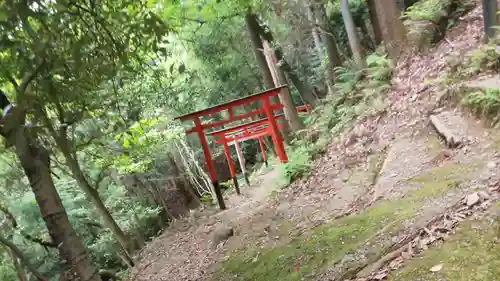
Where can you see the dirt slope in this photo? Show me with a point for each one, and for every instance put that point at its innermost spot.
(391, 169)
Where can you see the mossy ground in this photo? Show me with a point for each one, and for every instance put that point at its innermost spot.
(471, 254)
(311, 253)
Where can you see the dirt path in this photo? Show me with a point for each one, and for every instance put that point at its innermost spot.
(391, 177)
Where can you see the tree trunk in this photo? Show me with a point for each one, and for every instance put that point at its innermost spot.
(253, 30)
(332, 51)
(18, 256)
(391, 25)
(303, 88)
(35, 161)
(352, 34)
(319, 48)
(372, 11)
(94, 196)
(490, 8)
(36, 165)
(290, 111)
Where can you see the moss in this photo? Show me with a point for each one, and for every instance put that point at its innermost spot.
(325, 245)
(472, 253)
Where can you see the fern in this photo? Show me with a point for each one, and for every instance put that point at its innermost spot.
(487, 102)
(428, 10)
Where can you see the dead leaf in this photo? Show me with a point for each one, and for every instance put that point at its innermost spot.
(436, 268)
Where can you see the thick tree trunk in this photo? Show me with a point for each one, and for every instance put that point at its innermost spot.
(303, 88)
(372, 11)
(392, 28)
(319, 48)
(35, 161)
(36, 165)
(94, 196)
(253, 30)
(290, 111)
(352, 34)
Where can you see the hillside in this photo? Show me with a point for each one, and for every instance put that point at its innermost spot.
(388, 199)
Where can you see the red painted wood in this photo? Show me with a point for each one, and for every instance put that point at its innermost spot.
(235, 118)
(231, 104)
(230, 163)
(250, 125)
(206, 150)
(262, 149)
(278, 141)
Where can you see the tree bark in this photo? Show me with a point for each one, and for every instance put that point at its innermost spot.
(332, 51)
(490, 8)
(253, 30)
(319, 48)
(18, 256)
(352, 34)
(36, 165)
(372, 11)
(290, 111)
(94, 196)
(392, 28)
(303, 88)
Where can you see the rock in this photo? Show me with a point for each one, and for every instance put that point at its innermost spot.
(484, 195)
(221, 233)
(472, 199)
(436, 268)
(491, 165)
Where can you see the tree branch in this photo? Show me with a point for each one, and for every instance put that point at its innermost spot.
(14, 224)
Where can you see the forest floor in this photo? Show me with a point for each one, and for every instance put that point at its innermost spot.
(388, 200)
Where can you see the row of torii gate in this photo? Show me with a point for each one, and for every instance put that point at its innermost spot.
(257, 129)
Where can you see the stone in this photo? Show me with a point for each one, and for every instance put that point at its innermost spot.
(484, 195)
(221, 233)
(472, 199)
(491, 165)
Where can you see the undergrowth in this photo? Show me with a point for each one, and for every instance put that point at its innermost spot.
(427, 20)
(485, 103)
(358, 93)
(429, 10)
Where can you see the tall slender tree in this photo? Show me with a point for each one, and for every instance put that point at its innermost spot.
(334, 59)
(311, 15)
(352, 34)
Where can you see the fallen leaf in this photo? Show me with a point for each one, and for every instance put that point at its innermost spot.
(436, 268)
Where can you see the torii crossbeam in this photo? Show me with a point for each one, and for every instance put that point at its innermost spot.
(266, 107)
(252, 130)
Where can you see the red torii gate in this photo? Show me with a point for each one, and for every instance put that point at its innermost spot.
(239, 133)
(265, 107)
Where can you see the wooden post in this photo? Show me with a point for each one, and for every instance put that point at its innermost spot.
(241, 160)
(263, 151)
(208, 161)
(275, 133)
(230, 163)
